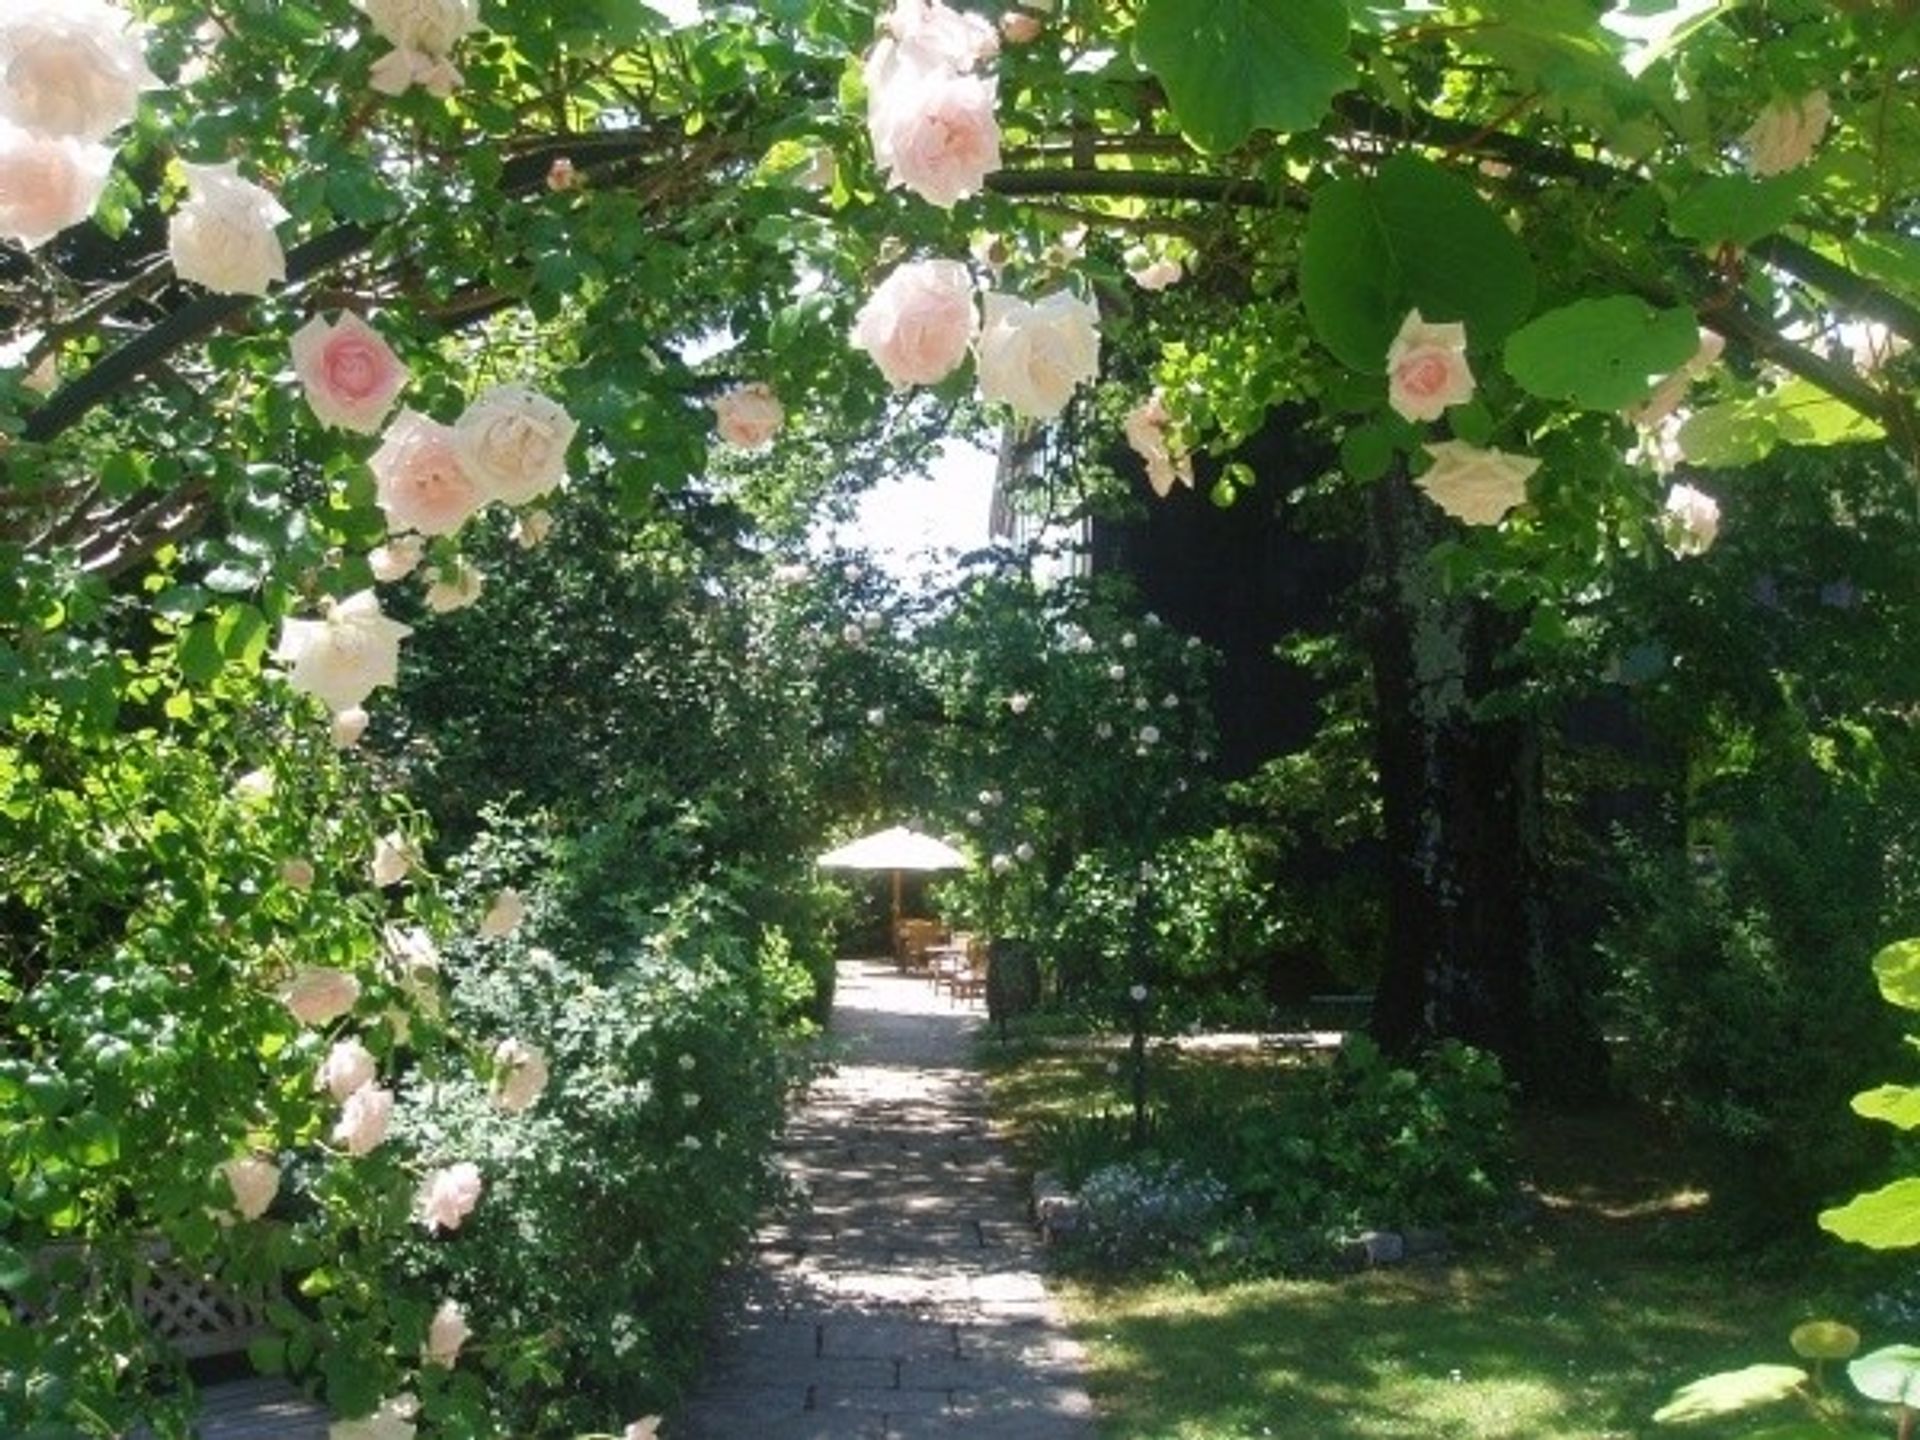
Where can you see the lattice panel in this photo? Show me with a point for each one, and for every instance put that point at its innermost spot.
(196, 1316)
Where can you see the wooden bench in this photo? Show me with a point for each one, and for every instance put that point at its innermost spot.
(208, 1324)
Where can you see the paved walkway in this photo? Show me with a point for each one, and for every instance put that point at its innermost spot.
(905, 1301)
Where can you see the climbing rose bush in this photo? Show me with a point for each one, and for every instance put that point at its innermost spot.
(512, 443)
(345, 656)
(919, 323)
(421, 484)
(223, 235)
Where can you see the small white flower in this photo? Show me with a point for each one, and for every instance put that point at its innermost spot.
(1018, 703)
(1137, 994)
(686, 1062)
(1149, 735)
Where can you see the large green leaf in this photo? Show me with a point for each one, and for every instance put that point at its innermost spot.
(1893, 260)
(1896, 1104)
(1601, 354)
(1235, 66)
(1883, 1219)
(1413, 237)
(1890, 1375)
(1730, 1392)
(1897, 969)
(1734, 210)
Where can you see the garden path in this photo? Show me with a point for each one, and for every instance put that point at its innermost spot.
(905, 1300)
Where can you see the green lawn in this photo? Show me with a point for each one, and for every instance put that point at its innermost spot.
(1577, 1327)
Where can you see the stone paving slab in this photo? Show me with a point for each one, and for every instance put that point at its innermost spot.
(904, 1301)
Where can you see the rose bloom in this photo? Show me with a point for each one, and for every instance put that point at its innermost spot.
(530, 529)
(71, 67)
(1427, 369)
(319, 996)
(1157, 274)
(254, 1182)
(512, 442)
(446, 1333)
(520, 1075)
(1690, 521)
(346, 656)
(1034, 356)
(398, 71)
(934, 131)
(348, 726)
(435, 26)
(1785, 134)
(918, 323)
(449, 1195)
(348, 1066)
(1146, 432)
(363, 1120)
(561, 176)
(396, 559)
(504, 915)
(647, 1429)
(419, 480)
(222, 237)
(47, 184)
(445, 595)
(350, 374)
(748, 416)
(1475, 485)
(393, 858)
(296, 874)
(939, 35)
(1018, 28)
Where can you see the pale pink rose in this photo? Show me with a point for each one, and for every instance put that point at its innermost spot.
(504, 915)
(939, 35)
(1033, 357)
(222, 237)
(397, 558)
(531, 528)
(350, 374)
(1785, 134)
(918, 323)
(254, 1182)
(349, 1065)
(1427, 369)
(1147, 431)
(364, 1119)
(296, 874)
(71, 67)
(512, 442)
(348, 726)
(1690, 521)
(647, 1429)
(1157, 274)
(446, 1333)
(447, 593)
(1668, 394)
(346, 656)
(419, 480)
(434, 26)
(47, 184)
(1019, 28)
(520, 1075)
(934, 131)
(319, 995)
(398, 71)
(748, 416)
(449, 1195)
(1475, 485)
(394, 858)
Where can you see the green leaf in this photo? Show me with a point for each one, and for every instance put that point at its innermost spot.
(1734, 210)
(1824, 1340)
(1728, 435)
(1896, 1104)
(1893, 260)
(93, 1140)
(1897, 971)
(1414, 237)
(1808, 415)
(200, 658)
(1601, 354)
(1231, 67)
(1890, 1375)
(1883, 1219)
(1365, 452)
(1730, 1392)
(268, 1354)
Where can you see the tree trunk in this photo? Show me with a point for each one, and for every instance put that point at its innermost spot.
(1461, 794)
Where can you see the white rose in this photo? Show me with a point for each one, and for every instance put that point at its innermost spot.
(934, 130)
(348, 726)
(222, 237)
(446, 1333)
(363, 1120)
(319, 996)
(531, 528)
(1475, 485)
(520, 1075)
(513, 442)
(398, 71)
(48, 183)
(504, 915)
(433, 26)
(71, 68)
(393, 858)
(1157, 274)
(396, 559)
(748, 416)
(444, 595)
(1690, 521)
(1147, 432)
(918, 323)
(346, 656)
(1034, 356)
(448, 1196)
(941, 35)
(349, 1066)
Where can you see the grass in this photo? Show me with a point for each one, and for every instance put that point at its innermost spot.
(1577, 1327)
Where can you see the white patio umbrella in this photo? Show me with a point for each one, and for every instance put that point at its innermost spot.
(895, 849)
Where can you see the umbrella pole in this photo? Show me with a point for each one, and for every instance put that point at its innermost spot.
(896, 913)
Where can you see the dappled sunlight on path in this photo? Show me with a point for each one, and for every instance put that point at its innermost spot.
(904, 1299)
